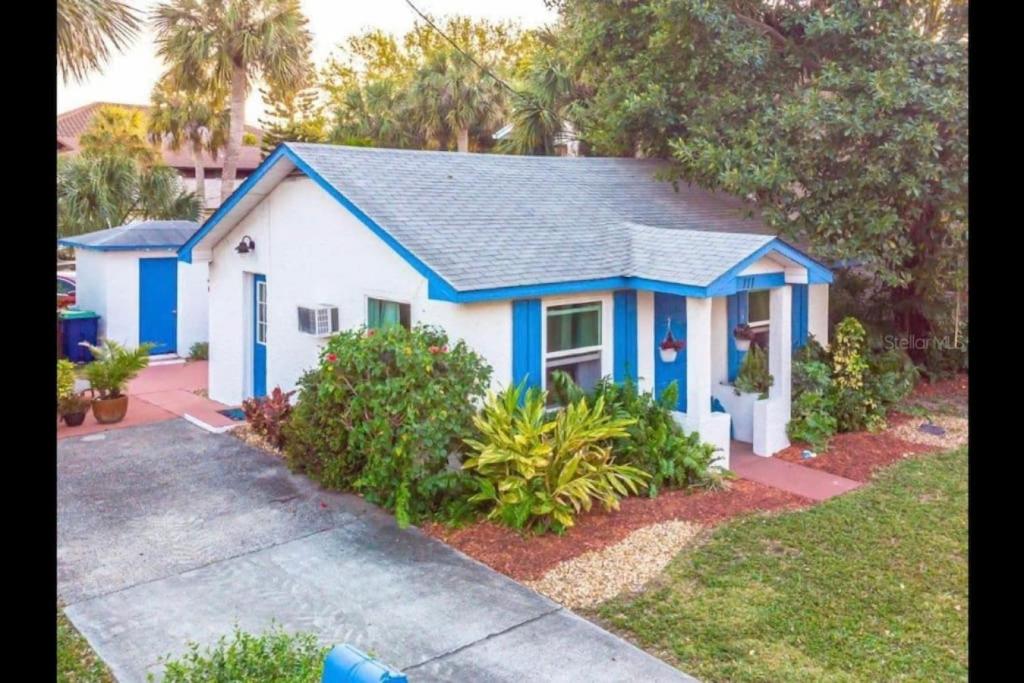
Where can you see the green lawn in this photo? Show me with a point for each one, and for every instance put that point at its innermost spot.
(76, 662)
(871, 585)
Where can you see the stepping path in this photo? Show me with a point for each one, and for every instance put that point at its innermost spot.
(161, 392)
(814, 484)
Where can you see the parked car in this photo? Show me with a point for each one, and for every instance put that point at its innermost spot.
(66, 288)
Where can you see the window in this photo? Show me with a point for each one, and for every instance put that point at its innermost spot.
(759, 316)
(574, 343)
(65, 286)
(381, 314)
(261, 312)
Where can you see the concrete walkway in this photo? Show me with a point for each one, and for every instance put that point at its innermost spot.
(817, 485)
(161, 392)
(167, 533)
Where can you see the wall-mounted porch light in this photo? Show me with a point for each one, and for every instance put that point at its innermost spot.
(246, 245)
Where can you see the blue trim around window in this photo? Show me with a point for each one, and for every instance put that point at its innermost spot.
(526, 335)
(624, 350)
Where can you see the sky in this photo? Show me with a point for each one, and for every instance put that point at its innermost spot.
(129, 77)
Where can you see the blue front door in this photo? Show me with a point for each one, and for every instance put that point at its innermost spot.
(670, 309)
(259, 336)
(158, 303)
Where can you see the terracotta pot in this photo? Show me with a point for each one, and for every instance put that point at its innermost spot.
(74, 419)
(109, 410)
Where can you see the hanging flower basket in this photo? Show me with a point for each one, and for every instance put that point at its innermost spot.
(743, 334)
(670, 347)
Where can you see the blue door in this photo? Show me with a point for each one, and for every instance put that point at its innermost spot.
(259, 336)
(158, 303)
(670, 309)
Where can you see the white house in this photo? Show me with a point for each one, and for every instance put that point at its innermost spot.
(538, 263)
(132, 278)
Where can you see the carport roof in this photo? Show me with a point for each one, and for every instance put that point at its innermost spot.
(141, 235)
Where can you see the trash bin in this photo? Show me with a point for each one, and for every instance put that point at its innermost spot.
(346, 664)
(79, 326)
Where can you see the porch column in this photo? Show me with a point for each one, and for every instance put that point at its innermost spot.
(772, 416)
(712, 427)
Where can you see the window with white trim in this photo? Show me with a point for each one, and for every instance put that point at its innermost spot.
(261, 312)
(759, 315)
(574, 342)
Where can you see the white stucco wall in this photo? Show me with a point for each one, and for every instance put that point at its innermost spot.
(817, 313)
(645, 340)
(313, 251)
(108, 283)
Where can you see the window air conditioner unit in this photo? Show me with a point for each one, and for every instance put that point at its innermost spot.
(319, 320)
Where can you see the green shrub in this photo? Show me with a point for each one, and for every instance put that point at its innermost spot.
(753, 376)
(383, 413)
(268, 415)
(65, 379)
(273, 656)
(655, 442)
(199, 351)
(114, 366)
(538, 470)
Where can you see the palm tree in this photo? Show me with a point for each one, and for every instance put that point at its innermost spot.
(196, 117)
(236, 41)
(541, 109)
(118, 131)
(87, 29)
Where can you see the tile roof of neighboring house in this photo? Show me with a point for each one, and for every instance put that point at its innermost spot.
(71, 125)
(492, 221)
(141, 235)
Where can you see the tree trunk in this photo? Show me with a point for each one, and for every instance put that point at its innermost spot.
(463, 141)
(235, 131)
(197, 161)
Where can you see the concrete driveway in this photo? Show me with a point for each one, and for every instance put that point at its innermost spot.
(167, 533)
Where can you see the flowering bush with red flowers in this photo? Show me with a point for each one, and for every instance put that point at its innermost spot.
(384, 414)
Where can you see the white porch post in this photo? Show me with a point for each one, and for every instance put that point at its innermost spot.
(712, 427)
(772, 416)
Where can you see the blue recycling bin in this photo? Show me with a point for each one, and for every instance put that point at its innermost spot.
(79, 326)
(346, 664)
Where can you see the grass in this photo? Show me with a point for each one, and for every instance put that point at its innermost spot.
(76, 662)
(871, 585)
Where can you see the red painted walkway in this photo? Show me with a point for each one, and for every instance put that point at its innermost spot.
(803, 481)
(161, 392)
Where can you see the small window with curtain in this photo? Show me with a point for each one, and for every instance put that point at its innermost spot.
(574, 343)
(758, 316)
(381, 314)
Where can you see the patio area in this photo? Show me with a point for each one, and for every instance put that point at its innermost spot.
(159, 393)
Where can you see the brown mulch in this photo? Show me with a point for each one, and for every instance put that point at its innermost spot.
(856, 455)
(525, 557)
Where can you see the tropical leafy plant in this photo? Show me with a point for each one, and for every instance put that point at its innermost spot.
(655, 442)
(384, 413)
(199, 351)
(753, 376)
(538, 471)
(87, 29)
(65, 378)
(268, 415)
(114, 366)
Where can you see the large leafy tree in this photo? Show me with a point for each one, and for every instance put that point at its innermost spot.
(295, 115)
(119, 131)
(99, 191)
(194, 118)
(236, 41)
(845, 121)
(86, 32)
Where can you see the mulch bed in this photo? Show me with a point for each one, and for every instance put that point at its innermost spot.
(856, 455)
(525, 557)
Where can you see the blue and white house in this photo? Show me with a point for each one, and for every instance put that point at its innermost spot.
(538, 263)
(131, 276)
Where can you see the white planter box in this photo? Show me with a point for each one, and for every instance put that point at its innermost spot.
(741, 409)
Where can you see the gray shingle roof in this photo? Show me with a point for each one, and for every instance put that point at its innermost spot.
(142, 235)
(487, 220)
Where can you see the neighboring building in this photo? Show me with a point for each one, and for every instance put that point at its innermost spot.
(132, 278)
(538, 263)
(566, 143)
(71, 125)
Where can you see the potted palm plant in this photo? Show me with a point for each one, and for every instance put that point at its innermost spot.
(109, 373)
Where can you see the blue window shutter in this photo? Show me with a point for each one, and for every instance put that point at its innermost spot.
(526, 353)
(624, 348)
(736, 313)
(800, 313)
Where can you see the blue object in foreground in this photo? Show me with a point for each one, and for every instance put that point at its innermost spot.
(346, 664)
(236, 414)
